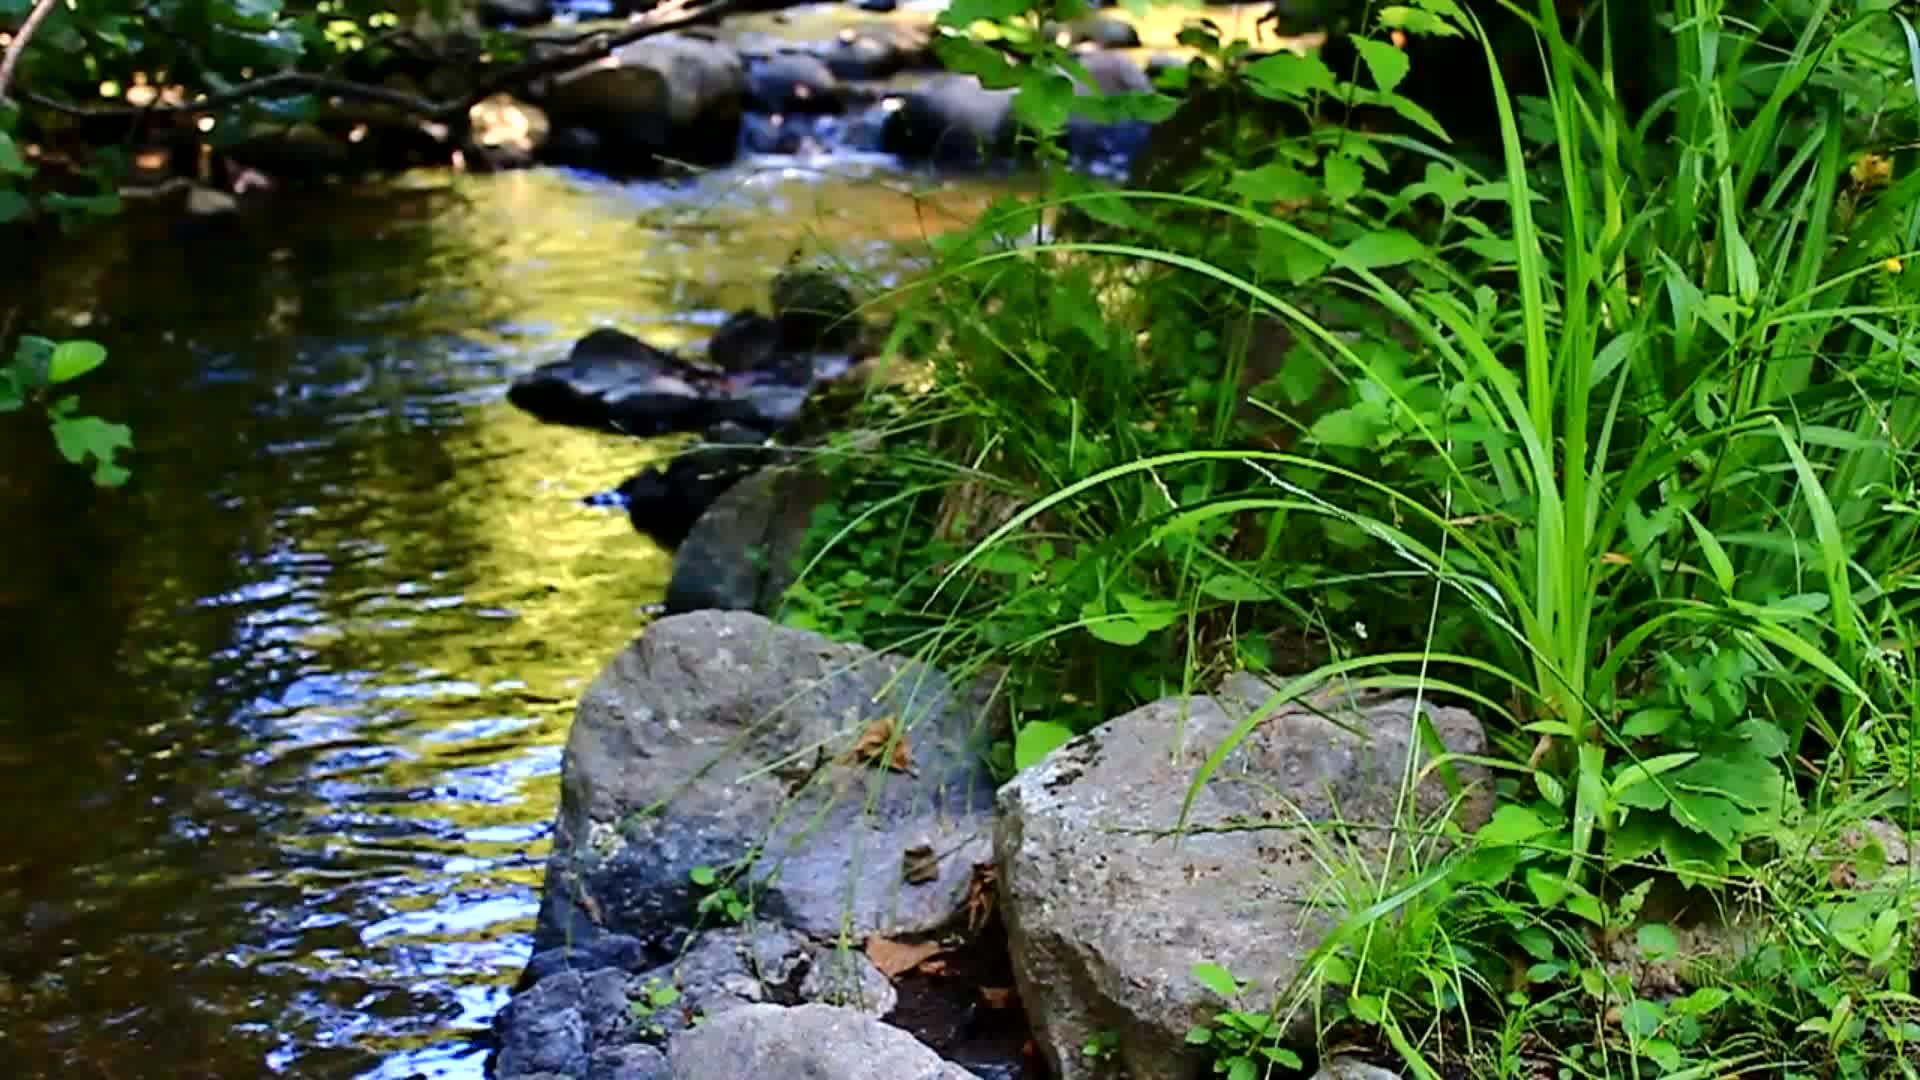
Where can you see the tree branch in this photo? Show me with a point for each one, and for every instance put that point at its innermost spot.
(586, 48)
(19, 43)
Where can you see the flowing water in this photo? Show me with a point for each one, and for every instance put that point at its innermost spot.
(281, 722)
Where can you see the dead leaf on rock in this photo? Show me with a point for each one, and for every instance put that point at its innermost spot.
(895, 958)
(873, 745)
(919, 864)
(980, 894)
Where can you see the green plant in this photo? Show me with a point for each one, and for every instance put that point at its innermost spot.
(1244, 1043)
(40, 366)
(719, 897)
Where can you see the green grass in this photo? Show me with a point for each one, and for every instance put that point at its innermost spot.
(1616, 445)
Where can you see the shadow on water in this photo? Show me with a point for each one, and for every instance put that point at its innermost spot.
(281, 723)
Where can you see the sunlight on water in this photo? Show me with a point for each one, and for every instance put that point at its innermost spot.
(283, 735)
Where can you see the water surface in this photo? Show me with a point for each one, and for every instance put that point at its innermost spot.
(281, 723)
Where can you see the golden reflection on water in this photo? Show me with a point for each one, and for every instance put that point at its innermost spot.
(312, 671)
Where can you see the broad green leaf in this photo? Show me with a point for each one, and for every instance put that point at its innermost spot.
(961, 14)
(1708, 814)
(1345, 177)
(1357, 427)
(1511, 824)
(72, 359)
(1649, 722)
(1385, 63)
(13, 206)
(1657, 941)
(1217, 979)
(1417, 21)
(1285, 76)
(1763, 737)
(1386, 247)
(1640, 772)
(1274, 183)
(1045, 102)
(1741, 775)
(1236, 589)
(1036, 740)
(11, 163)
(82, 436)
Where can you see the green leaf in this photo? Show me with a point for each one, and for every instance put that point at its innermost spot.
(13, 206)
(1708, 814)
(1274, 183)
(1242, 1068)
(1657, 941)
(1217, 979)
(1385, 63)
(1387, 247)
(1037, 739)
(961, 14)
(1650, 722)
(1199, 1035)
(1286, 76)
(1414, 113)
(1345, 178)
(1743, 775)
(72, 359)
(1716, 555)
(1045, 102)
(11, 163)
(1357, 427)
(1511, 824)
(1236, 589)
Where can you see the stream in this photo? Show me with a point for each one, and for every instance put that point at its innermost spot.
(281, 722)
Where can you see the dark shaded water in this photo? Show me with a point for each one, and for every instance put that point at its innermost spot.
(281, 723)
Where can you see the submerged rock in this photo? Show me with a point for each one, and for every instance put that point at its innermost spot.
(1112, 944)
(717, 735)
(761, 1042)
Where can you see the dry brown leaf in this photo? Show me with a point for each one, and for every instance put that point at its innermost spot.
(998, 997)
(898, 957)
(934, 966)
(919, 864)
(873, 742)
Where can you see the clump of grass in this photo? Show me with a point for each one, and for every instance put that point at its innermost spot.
(1616, 442)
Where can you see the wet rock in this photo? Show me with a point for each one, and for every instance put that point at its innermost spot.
(880, 6)
(1113, 73)
(715, 735)
(952, 120)
(762, 1041)
(1100, 31)
(1346, 1068)
(664, 503)
(295, 153)
(845, 977)
(673, 95)
(793, 82)
(739, 555)
(505, 133)
(878, 50)
(607, 951)
(631, 1061)
(751, 342)
(515, 12)
(814, 311)
(1112, 944)
(615, 382)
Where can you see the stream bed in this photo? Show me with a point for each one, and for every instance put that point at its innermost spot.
(281, 722)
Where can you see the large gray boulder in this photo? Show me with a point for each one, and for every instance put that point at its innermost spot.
(1107, 916)
(765, 1042)
(672, 95)
(715, 736)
